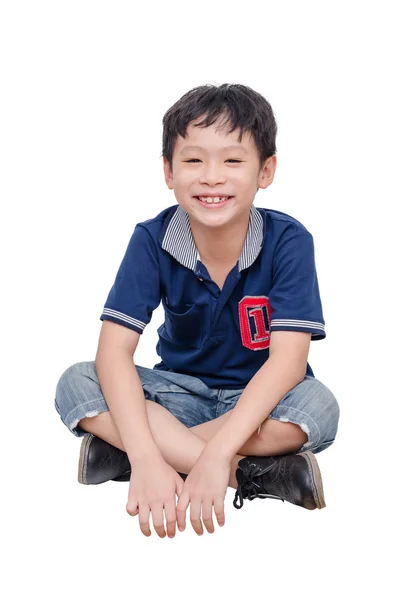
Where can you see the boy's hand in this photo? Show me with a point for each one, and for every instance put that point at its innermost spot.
(153, 486)
(204, 487)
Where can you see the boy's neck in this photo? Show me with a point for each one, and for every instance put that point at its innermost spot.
(218, 246)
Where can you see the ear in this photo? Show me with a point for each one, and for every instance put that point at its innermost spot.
(267, 172)
(167, 173)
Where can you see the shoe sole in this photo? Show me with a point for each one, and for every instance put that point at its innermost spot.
(315, 476)
(84, 449)
(124, 477)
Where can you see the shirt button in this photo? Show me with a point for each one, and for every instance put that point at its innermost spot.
(200, 279)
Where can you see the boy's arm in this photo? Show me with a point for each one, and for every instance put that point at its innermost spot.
(283, 370)
(153, 482)
(135, 294)
(122, 389)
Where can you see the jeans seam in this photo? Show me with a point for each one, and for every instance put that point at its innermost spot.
(77, 408)
(307, 416)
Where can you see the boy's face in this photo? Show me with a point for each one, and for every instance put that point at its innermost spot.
(211, 168)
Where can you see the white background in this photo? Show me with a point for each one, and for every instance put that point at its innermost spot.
(84, 88)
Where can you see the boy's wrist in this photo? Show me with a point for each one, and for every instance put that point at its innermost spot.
(144, 456)
(217, 452)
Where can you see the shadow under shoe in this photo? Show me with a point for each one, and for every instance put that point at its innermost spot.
(295, 478)
(100, 462)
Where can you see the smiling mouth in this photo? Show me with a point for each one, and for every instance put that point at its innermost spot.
(216, 201)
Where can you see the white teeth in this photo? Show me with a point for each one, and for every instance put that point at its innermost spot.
(215, 200)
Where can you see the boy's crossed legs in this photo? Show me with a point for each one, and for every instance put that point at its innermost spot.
(176, 403)
(171, 436)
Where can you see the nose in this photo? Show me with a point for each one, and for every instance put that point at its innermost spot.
(211, 174)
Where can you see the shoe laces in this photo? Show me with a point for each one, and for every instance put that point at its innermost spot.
(251, 489)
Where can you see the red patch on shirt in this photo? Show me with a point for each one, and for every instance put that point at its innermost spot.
(257, 308)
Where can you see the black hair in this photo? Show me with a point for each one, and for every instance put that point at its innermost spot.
(241, 106)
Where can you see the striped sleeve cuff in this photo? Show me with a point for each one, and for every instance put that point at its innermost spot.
(315, 328)
(108, 314)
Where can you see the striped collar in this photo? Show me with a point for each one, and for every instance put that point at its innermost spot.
(179, 242)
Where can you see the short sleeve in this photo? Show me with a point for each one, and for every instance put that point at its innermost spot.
(294, 297)
(136, 289)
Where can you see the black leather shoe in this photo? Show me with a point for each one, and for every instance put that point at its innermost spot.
(295, 478)
(100, 462)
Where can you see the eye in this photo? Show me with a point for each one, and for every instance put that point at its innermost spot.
(229, 159)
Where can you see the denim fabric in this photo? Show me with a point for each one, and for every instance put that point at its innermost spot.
(310, 404)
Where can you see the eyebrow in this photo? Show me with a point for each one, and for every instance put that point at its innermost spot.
(235, 147)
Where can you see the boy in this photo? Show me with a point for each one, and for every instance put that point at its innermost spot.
(233, 400)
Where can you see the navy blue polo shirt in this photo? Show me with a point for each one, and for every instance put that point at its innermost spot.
(220, 336)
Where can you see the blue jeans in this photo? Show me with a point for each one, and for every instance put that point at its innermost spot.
(310, 404)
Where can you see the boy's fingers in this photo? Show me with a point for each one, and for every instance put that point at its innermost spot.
(144, 512)
(132, 508)
(181, 507)
(207, 515)
(170, 518)
(179, 486)
(219, 509)
(195, 514)
(158, 519)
